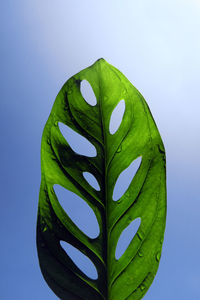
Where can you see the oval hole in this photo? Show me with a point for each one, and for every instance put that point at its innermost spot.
(126, 237)
(116, 117)
(77, 142)
(87, 93)
(78, 210)
(91, 180)
(125, 178)
(81, 260)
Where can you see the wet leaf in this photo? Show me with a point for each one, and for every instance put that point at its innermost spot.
(130, 276)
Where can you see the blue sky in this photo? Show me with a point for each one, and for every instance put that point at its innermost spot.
(156, 44)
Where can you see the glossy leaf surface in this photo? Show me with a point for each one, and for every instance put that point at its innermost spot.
(130, 276)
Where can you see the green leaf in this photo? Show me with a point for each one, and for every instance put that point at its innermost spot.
(131, 275)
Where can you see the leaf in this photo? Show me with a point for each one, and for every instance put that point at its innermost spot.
(130, 276)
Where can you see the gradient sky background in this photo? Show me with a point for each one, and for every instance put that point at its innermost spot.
(156, 44)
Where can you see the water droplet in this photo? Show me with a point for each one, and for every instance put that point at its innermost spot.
(119, 149)
(130, 219)
(124, 92)
(158, 256)
(140, 235)
(140, 254)
(142, 287)
(161, 148)
(48, 141)
(69, 92)
(45, 228)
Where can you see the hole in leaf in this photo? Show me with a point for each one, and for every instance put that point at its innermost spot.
(81, 260)
(91, 180)
(116, 117)
(77, 142)
(126, 237)
(125, 178)
(78, 210)
(87, 93)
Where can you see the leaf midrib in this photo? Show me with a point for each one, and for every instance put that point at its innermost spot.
(104, 174)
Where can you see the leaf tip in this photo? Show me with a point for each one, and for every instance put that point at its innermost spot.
(101, 59)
